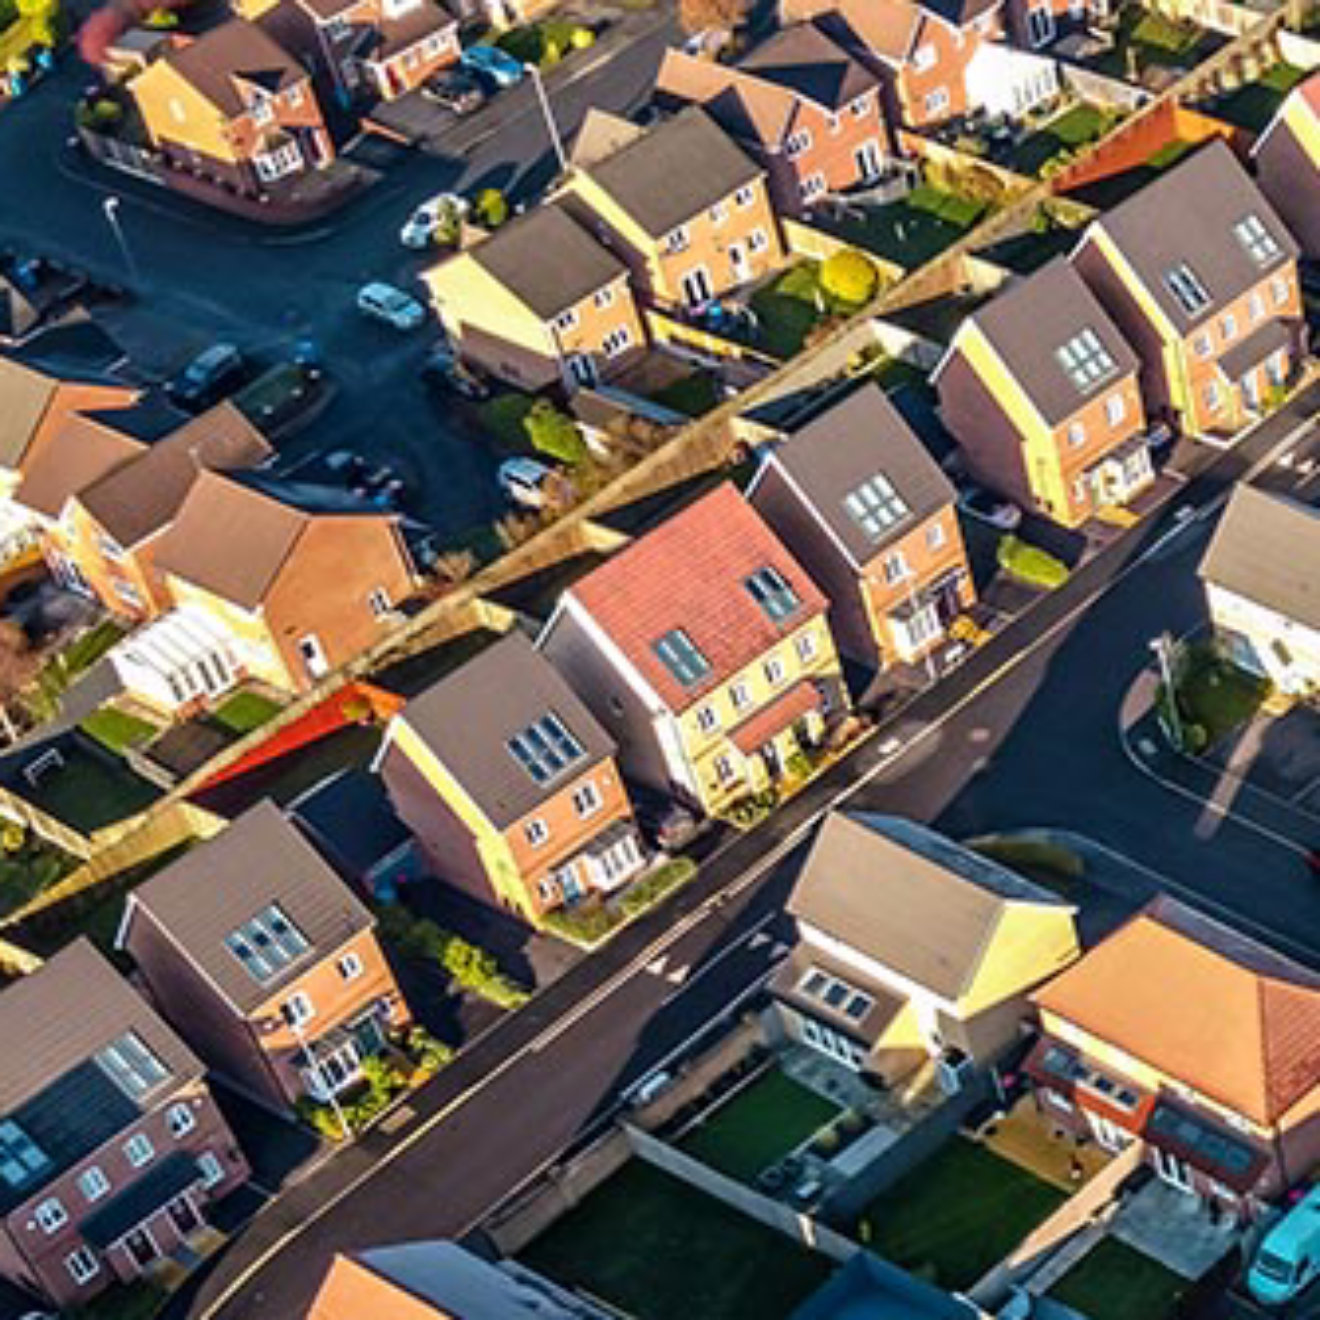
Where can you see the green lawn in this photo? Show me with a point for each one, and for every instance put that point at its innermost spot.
(1156, 41)
(788, 308)
(957, 1215)
(912, 231)
(116, 729)
(245, 711)
(29, 871)
(1215, 693)
(123, 1301)
(653, 1247)
(763, 1122)
(503, 417)
(1077, 126)
(692, 395)
(1253, 106)
(1115, 1282)
(87, 794)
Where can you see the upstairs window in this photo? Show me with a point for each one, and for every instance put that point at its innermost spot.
(768, 588)
(1257, 241)
(680, 655)
(1189, 292)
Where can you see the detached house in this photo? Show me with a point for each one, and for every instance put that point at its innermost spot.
(111, 1147)
(509, 784)
(1200, 275)
(1287, 160)
(704, 649)
(684, 207)
(912, 948)
(1259, 577)
(1195, 1040)
(1041, 391)
(867, 512)
(803, 108)
(540, 302)
(234, 106)
(265, 962)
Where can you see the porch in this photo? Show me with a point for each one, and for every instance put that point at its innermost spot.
(1122, 474)
(768, 742)
(332, 1063)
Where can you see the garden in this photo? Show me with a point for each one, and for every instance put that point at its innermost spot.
(590, 923)
(1252, 105)
(810, 298)
(655, 1248)
(87, 788)
(1115, 1282)
(1215, 696)
(28, 866)
(912, 231)
(1145, 39)
(1056, 142)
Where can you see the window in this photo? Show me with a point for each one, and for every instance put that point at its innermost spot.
(1085, 359)
(724, 770)
(297, 1009)
(745, 195)
(796, 143)
(349, 967)
(1228, 327)
(719, 213)
(138, 1149)
(937, 101)
(536, 832)
(545, 748)
(82, 1265)
(739, 695)
(807, 647)
(895, 567)
(774, 671)
(1115, 409)
(768, 588)
(587, 800)
(707, 720)
(109, 549)
(1189, 292)
(757, 241)
(126, 592)
(179, 1119)
(51, 1215)
(1256, 306)
(262, 110)
(566, 320)
(21, 1159)
(131, 1065)
(616, 341)
(267, 943)
(835, 994)
(875, 506)
(210, 1168)
(812, 186)
(677, 239)
(679, 654)
(1257, 241)
(1213, 399)
(1076, 434)
(834, 122)
(1279, 290)
(924, 57)
(338, 28)
(1202, 345)
(378, 602)
(293, 97)
(935, 536)
(604, 298)
(93, 1183)
(313, 656)
(860, 106)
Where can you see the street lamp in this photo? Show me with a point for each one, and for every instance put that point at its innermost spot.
(1160, 645)
(535, 74)
(110, 207)
(321, 1078)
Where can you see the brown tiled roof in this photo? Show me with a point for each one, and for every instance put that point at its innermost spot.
(884, 29)
(25, 395)
(399, 34)
(690, 573)
(601, 135)
(77, 453)
(1201, 1003)
(236, 51)
(805, 61)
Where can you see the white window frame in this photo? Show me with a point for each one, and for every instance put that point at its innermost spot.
(567, 320)
(317, 663)
(293, 97)
(812, 185)
(297, 1010)
(807, 647)
(1115, 409)
(677, 239)
(350, 966)
(536, 832)
(139, 1150)
(718, 213)
(1214, 396)
(797, 143)
(209, 1166)
(1279, 289)
(707, 719)
(1203, 345)
(93, 1183)
(725, 771)
(51, 1216)
(82, 1265)
(936, 100)
(1076, 434)
(1255, 306)
(757, 241)
(740, 695)
(895, 567)
(774, 669)
(618, 340)
(860, 105)
(378, 602)
(587, 800)
(180, 1119)
(1228, 327)
(936, 536)
(604, 297)
(925, 57)
(745, 195)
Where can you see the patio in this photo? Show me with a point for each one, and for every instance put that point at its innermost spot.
(1174, 1229)
(1027, 1138)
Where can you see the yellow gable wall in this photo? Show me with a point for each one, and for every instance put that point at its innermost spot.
(1304, 127)
(159, 92)
(1031, 943)
(257, 650)
(604, 205)
(465, 293)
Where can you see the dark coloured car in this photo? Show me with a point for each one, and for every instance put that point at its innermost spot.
(665, 823)
(443, 371)
(455, 90)
(213, 373)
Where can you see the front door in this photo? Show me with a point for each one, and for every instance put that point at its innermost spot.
(1040, 26)
(185, 1218)
(1250, 386)
(141, 1247)
(696, 287)
(867, 160)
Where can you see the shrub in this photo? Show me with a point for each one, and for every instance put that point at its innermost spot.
(161, 19)
(428, 1054)
(1195, 738)
(554, 433)
(1030, 564)
(1039, 854)
(491, 208)
(582, 38)
(850, 277)
(357, 710)
(798, 765)
(583, 925)
(649, 890)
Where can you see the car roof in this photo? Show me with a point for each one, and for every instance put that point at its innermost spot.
(530, 468)
(217, 353)
(1296, 1229)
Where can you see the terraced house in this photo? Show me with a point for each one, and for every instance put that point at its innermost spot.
(1042, 393)
(1200, 275)
(265, 961)
(111, 1146)
(540, 302)
(704, 649)
(509, 784)
(864, 508)
(685, 208)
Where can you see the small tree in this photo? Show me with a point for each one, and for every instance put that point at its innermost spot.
(554, 433)
(491, 207)
(19, 665)
(849, 277)
(699, 15)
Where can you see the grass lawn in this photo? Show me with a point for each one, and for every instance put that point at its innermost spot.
(655, 1248)
(912, 231)
(957, 1215)
(763, 1122)
(28, 872)
(86, 793)
(116, 729)
(123, 1301)
(1158, 41)
(1077, 126)
(1115, 1282)
(503, 417)
(245, 711)
(1215, 693)
(1253, 106)
(787, 309)
(692, 395)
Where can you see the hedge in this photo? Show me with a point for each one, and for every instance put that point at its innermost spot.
(1030, 564)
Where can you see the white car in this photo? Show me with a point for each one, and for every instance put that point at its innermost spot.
(526, 481)
(424, 223)
(383, 302)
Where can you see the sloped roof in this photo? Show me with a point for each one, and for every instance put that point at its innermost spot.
(803, 60)
(25, 395)
(469, 716)
(908, 898)
(690, 573)
(236, 51)
(1306, 96)
(260, 859)
(744, 106)
(1265, 549)
(601, 134)
(1201, 1003)
(77, 452)
(881, 29)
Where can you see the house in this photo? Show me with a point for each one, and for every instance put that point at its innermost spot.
(111, 1147)
(1287, 160)
(1195, 1040)
(863, 507)
(704, 649)
(920, 50)
(510, 785)
(106, 501)
(1005, 80)
(911, 947)
(1042, 393)
(686, 209)
(1200, 275)
(1259, 580)
(265, 961)
(440, 1281)
(233, 106)
(295, 579)
(361, 49)
(1033, 24)
(540, 302)
(799, 105)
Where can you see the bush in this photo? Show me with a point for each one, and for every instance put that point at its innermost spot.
(491, 208)
(554, 433)
(649, 890)
(12, 836)
(850, 277)
(161, 19)
(1039, 854)
(582, 38)
(471, 967)
(1030, 564)
(582, 925)
(798, 765)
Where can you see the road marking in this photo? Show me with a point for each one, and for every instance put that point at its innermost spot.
(657, 965)
(678, 975)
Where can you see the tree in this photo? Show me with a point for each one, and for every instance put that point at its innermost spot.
(491, 208)
(849, 277)
(19, 665)
(554, 433)
(723, 15)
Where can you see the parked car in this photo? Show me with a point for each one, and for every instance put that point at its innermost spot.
(383, 302)
(456, 90)
(1288, 1257)
(493, 64)
(527, 481)
(213, 373)
(443, 370)
(665, 823)
(989, 507)
(430, 218)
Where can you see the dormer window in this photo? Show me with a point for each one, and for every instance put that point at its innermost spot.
(1181, 281)
(262, 110)
(1256, 240)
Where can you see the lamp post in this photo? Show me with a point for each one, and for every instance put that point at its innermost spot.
(1160, 645)
(320, 1076)
(110, 208)
(535, 74)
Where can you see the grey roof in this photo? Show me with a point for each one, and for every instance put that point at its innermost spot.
(805, 60)
(674, 171)
(907, 897)
(867, 1286)
(1030, 320)
(1265, 549)
(260, 859)
(350, 817)
(548, 260)
(851, 442)
(1187, 215)
(25, 395)
(468, 717)
(1255, 348)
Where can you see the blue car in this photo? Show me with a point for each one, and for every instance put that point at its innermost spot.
(494, 64)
